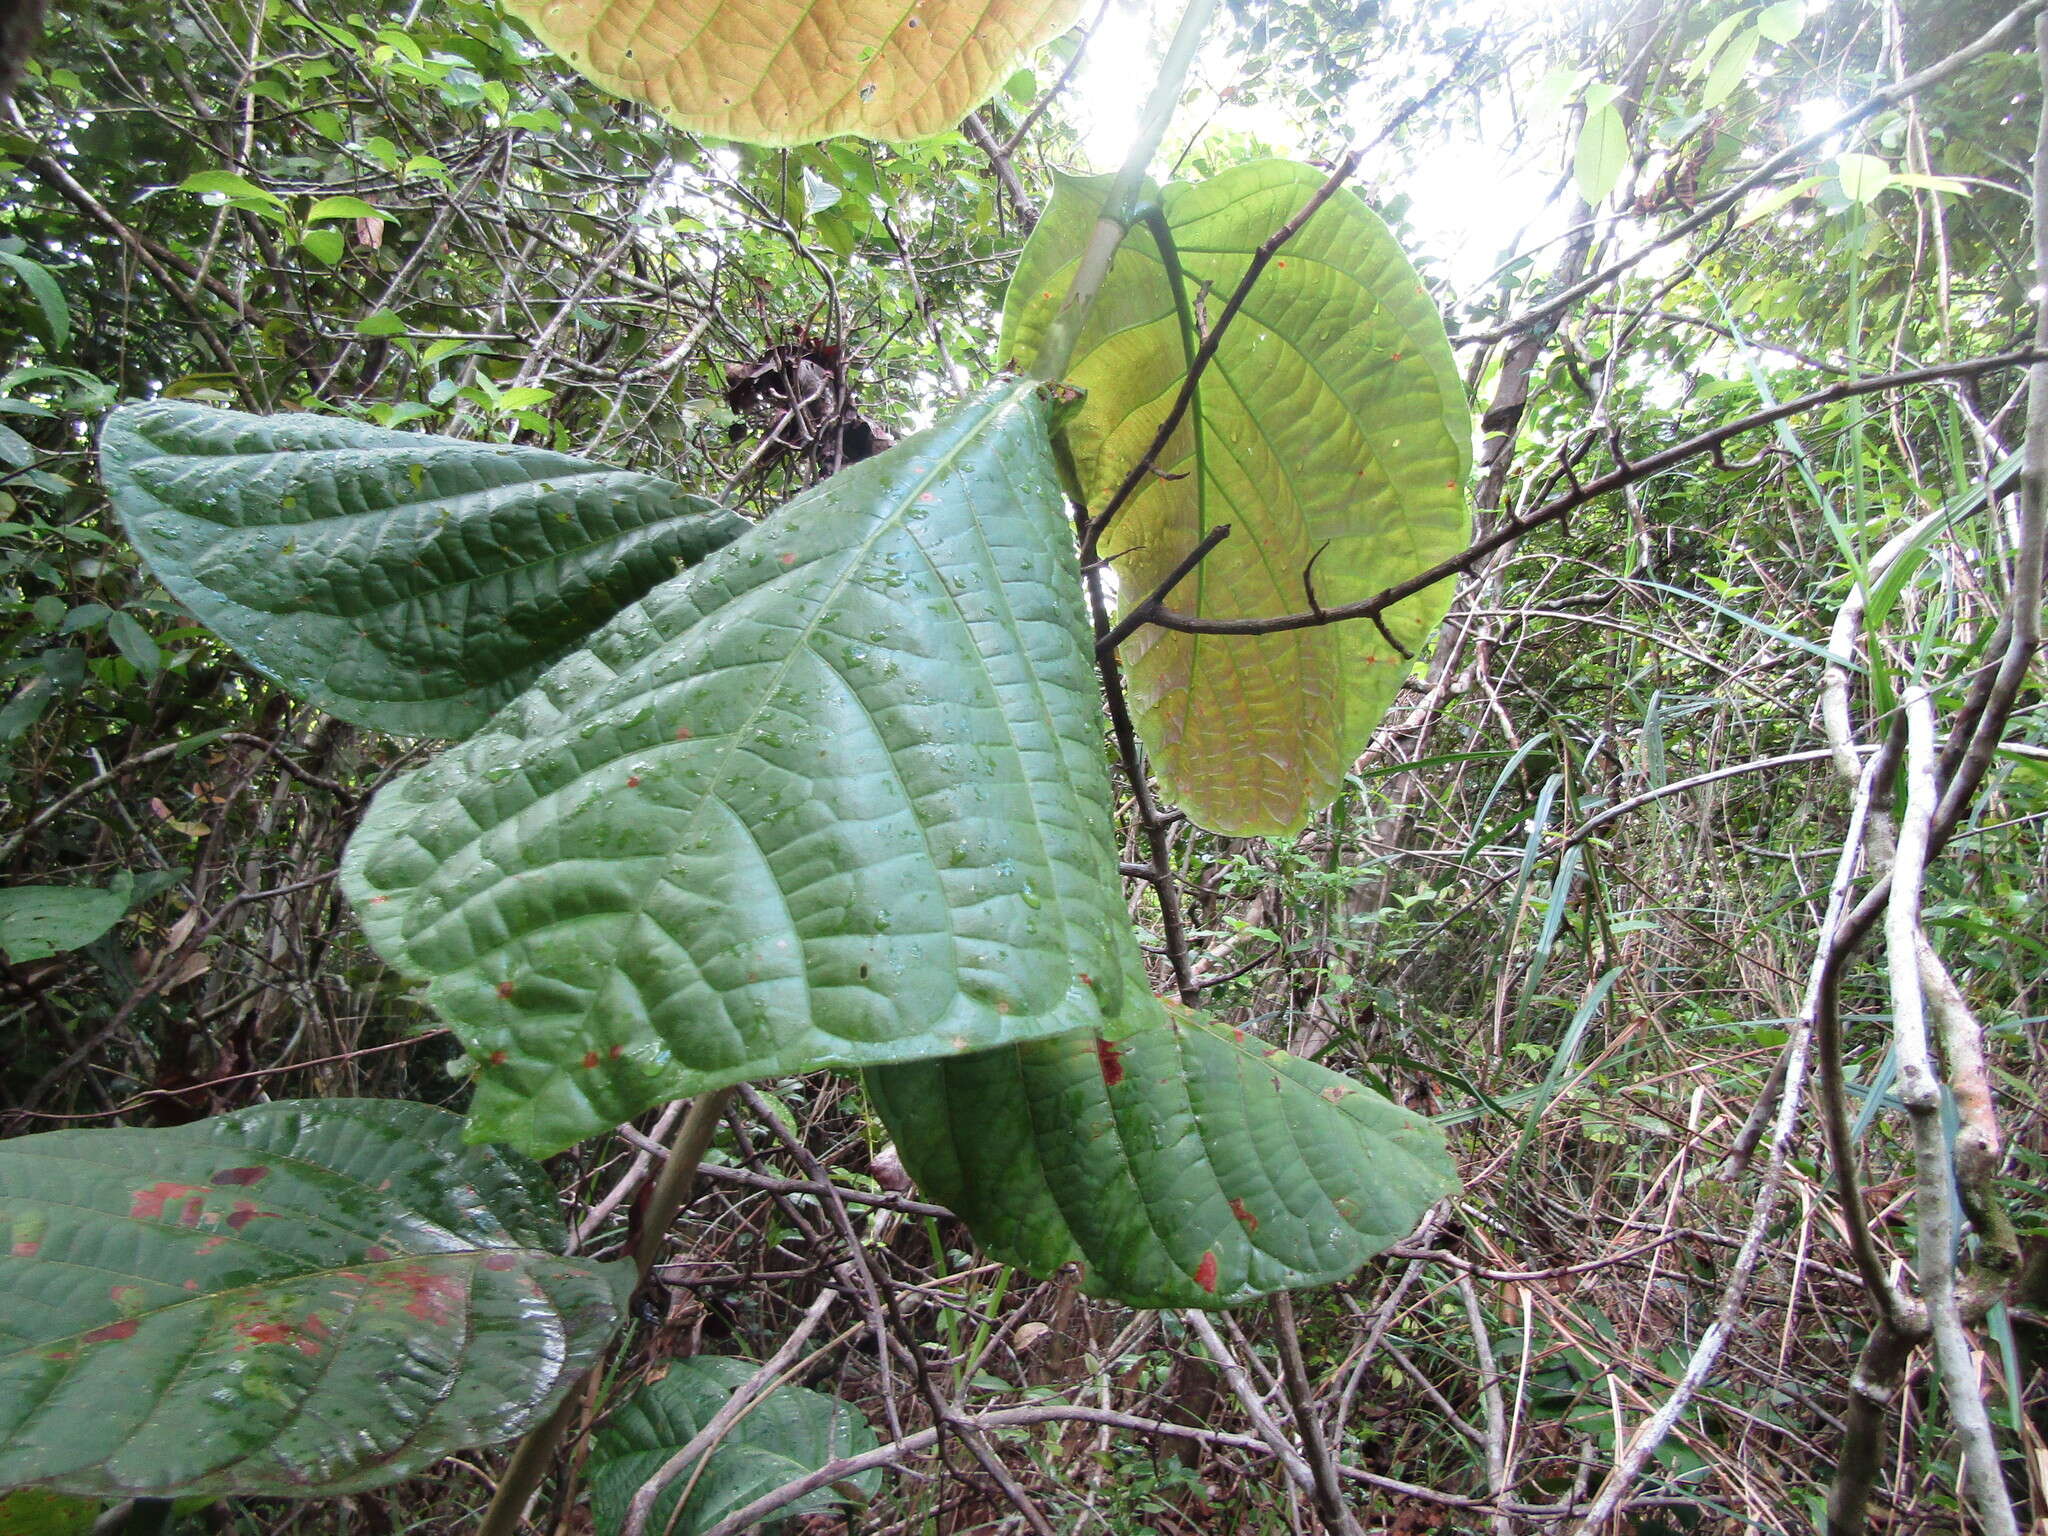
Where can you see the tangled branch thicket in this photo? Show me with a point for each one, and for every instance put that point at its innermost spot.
(1579, 900)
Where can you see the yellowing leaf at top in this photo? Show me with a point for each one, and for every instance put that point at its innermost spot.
(792, 71)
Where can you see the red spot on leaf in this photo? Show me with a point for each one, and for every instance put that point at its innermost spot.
(218, 1240)
(633, 782)
(245, 1212)
(504, 989)
(378, 901)
(499, 1261)
(616, 1052)
(1111, 1060)
(497, 1058)
(250, 1175)
(263, 1333)
(25, 1250)
(125, 1329)
(376, 1254)
(1251, 1222)
(150, 1204)
(1237, 1035)
(191, 1285)
(589, 1059)
(1205, 1273)
(788, 558)
(682, 733)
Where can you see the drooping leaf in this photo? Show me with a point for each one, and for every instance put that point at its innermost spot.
(783, 72)
(1601, 154)
(309, 1296)
(835, 797)
(37, 921)
(1331, 430)
(786, 1434)
(404, 582)
(1181, 1166)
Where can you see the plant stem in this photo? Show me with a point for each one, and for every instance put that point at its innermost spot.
(1120, 208)
(535, 1453)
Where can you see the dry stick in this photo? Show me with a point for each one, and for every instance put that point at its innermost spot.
(1173, 578)
(1496, 1443)
(1649, 1434)
(978, 134)
(1879, 101)
(1249, 1399)
(1614, 480)
(536, 1451)
(1920, 1090)
(1301, 1397)
(1120, 207)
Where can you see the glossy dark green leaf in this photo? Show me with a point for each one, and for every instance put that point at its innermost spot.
(786, 1434)
(1331, 434)
(401, 581)
(834, 798)
(300, 1297)
(1182, 1166)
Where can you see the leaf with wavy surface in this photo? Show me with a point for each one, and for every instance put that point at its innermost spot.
(782, 72)
(302, 1297)
(1331, 433)
(402, 581)
(834, 798)
(1181, 1166)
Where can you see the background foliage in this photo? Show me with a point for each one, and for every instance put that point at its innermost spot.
(405, 215)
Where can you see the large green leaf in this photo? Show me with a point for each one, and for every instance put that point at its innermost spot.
(834, 798)
(1180, 1166)
(299, 1297)
(1331, 428)
(790, 71)
(786, 1434)
(401, 581)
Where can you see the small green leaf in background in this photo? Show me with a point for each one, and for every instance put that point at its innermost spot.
(134, 642)
(787, 1433)
(1862, 177)
(324, 245)
(819, 194)
(302, 1297)
(15, 450)
(1781, 23)
(37, 921)
(1730, 67)
(1332, 428)
(344, 208)
(44, 290)
(1601, 154)
(1180, 1166)
(835, 797)
(401, 581)
(382, 323)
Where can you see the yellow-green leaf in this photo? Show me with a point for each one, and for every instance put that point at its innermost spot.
(793, 71)
(1332, 428)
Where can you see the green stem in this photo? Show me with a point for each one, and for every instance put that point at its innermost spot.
(535, 1452)
(1120, 208)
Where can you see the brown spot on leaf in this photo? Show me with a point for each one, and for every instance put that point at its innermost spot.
(249, 1175)
(1337, 1093)
(497, 1058)
(376, 1253)
(1251, 1222)
(245, 1211)
(125, 1329)
(1111, 1060)
(499, 1261)
(504, 989)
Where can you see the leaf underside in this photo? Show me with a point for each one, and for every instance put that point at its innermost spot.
(782, 72)
(786, 1434)
(1331, 428)
(302, 1297)
(401, 581)
(1180, 1166)
(834, 798)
